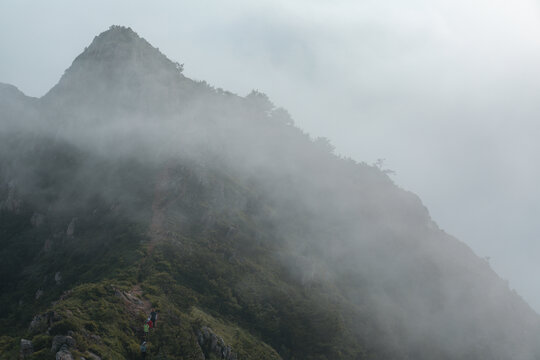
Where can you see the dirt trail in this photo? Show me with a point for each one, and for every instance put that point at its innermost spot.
(134, 301)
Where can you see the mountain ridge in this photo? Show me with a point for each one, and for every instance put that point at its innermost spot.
(234, 222)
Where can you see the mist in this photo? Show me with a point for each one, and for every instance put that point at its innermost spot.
(128, 121)
(445, 93)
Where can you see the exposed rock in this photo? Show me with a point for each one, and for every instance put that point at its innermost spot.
(93, 356)
(133, 301)
(120, 294)
(71, 227)
(211, 343)
(96, 339)
(61, 341)
(41, 322)
(58, 278)
(38, 324)
(27, 348)
(64, 354)
(37, 219)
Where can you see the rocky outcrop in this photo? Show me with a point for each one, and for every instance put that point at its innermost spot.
(211, 343)
(61, 344)
(27, 348)
(41, 322)
(64, 354)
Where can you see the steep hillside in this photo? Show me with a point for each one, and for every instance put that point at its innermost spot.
(129, 186)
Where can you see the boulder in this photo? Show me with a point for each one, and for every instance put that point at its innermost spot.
(60, 342)
(38, 324)
(64, 354)
(41, 322)
(211, 343)
(27, 348)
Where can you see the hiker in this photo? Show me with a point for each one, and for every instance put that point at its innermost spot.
(153, 317)
(149, 322)
(146, 327)
(143, 350)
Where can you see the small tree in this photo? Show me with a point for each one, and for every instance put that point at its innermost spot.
(260, 102)
(324, 144)
(282, 116)
(179, 67)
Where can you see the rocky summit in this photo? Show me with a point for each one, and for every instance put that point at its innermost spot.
(143, 213)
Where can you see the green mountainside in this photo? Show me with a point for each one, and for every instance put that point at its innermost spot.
(130, 186)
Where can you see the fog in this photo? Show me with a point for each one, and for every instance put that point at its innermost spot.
(445, 92)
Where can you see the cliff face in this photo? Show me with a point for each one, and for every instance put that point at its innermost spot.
(129, 185)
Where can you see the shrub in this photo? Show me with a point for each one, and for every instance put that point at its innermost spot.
(62, 327)
(42, 341)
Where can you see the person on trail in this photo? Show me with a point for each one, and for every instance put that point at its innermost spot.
(153, 317)
(143, 350)
(149, 322)
(146, 327)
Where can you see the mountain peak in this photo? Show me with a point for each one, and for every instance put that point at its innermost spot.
(124, 47)
(119, 33)
(116, 41)
(118, 59)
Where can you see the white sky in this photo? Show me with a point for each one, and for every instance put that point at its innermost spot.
(447, 91)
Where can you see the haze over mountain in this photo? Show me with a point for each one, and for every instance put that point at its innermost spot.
(129, 184)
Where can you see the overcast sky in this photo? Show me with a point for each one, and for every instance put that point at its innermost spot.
(447, 91)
